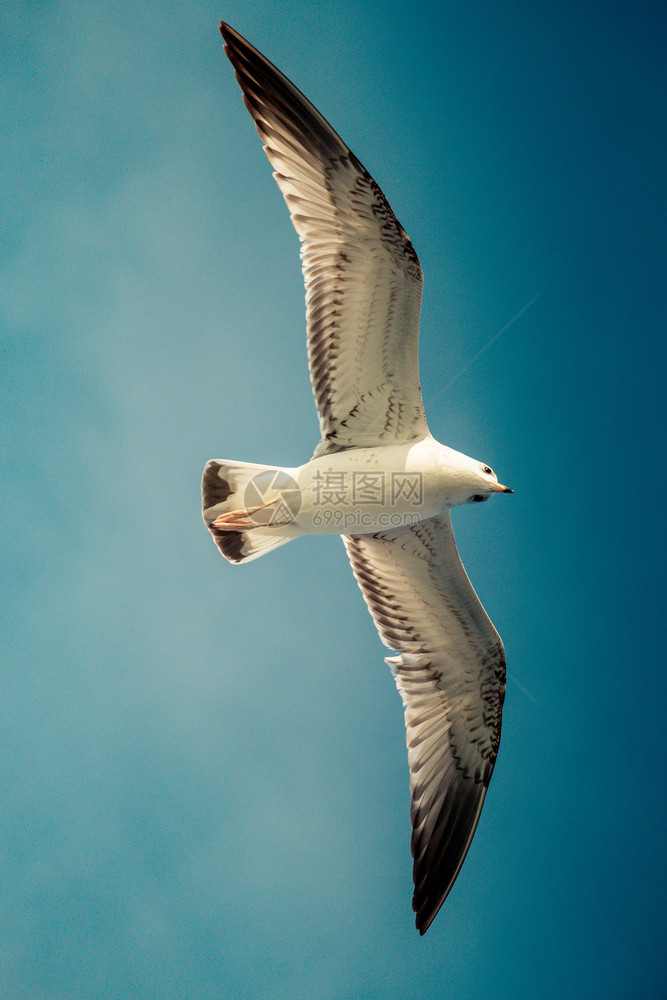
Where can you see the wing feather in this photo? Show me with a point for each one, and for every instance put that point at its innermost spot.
(363, 278)
(450, 672)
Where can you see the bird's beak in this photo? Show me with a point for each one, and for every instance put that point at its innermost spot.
(499, 488)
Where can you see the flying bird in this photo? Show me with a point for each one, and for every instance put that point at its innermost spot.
(377, 477)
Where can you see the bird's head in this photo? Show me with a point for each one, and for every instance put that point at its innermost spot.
(470, 481)
(482, 483)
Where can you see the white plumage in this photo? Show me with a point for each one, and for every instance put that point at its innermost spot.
(363, 292)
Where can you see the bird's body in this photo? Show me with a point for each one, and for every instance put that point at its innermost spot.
(377, 478)
(363, 490)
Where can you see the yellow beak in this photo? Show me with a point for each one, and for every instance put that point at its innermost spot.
(499, 488)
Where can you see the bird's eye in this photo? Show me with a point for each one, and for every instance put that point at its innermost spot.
(487, 470)
(477, 498)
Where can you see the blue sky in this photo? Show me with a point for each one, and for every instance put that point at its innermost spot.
(203, 774)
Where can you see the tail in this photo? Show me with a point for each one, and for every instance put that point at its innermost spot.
(251, 503)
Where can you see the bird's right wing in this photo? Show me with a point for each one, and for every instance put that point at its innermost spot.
(363, 278)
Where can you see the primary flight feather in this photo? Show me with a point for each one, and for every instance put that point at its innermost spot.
(377, 477)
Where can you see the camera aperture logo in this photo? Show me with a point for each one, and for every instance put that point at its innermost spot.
(272, 498)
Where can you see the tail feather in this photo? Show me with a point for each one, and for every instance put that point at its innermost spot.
(223, 488)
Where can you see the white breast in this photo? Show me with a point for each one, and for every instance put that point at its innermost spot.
(366, 490)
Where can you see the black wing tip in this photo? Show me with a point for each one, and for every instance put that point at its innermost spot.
(435, 872)
(236, 46)
(229, 36)
(259, 77)
(234, 43)
(425, 915)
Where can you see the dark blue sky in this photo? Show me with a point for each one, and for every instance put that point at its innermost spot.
(204, 775)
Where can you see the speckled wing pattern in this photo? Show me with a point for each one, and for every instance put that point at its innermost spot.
(450, 672)
(363, 292)
(363, 278)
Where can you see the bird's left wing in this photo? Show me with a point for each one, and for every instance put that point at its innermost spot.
(450, 671)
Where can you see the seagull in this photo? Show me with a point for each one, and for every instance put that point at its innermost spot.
(377, 477)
